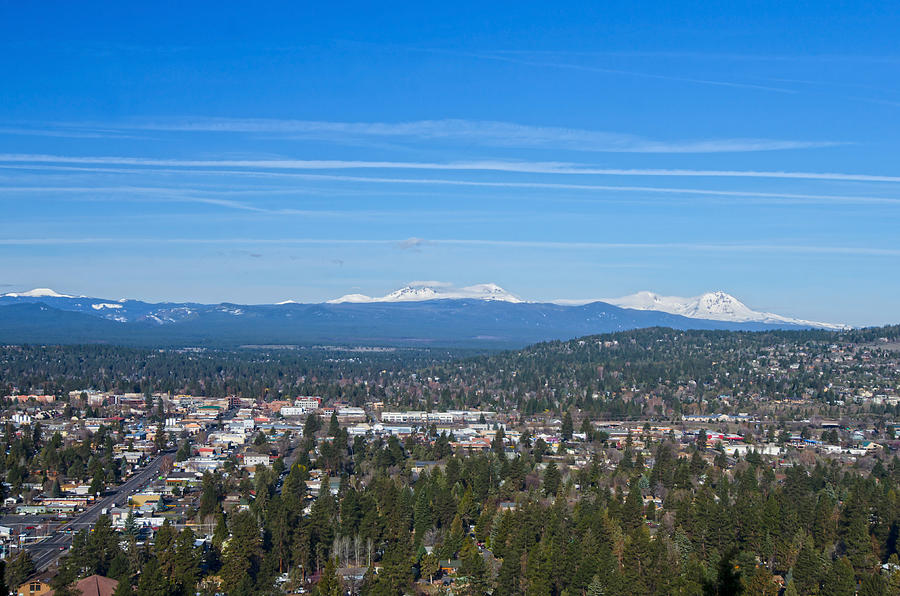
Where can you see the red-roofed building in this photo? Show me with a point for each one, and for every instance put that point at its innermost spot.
(96, 585)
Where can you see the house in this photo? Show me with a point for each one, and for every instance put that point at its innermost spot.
(450, 567)
(96, 585)
(36, 586)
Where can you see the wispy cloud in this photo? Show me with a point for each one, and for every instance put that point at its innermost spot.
(707, 55)
(487, 133)
(749, 247)
(213, 197)
(522, 60)
(430, 284)
(412, 243)
(558, 168)
(66, 132)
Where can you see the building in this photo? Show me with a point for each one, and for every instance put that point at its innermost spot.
(292, 411)
(36, 586)
(256, 459)
(308, 402)
(96, 585)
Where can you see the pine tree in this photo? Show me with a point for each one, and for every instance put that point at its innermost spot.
(209, 496)
(552, 479)
(241, 556)
(873, 585)
(187, 562)
(334, 427)
(567, 427)
(124, 588)
(760, 583)
(164, 548)
(152, 582)
(595, 588)
(429, 566)
(97, 483)
(474, 568)
(131, 528)
(396, 570)
(636, 560)
(839, 581)
(808, 569)
(19, 569)
(329, 583)
(632, 511)
(422, 515)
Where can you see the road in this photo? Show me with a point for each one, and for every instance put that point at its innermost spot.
(51, 548)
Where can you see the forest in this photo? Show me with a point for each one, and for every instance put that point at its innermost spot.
(529, 524)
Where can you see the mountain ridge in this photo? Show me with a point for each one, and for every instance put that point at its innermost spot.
(441, 321)
(715, 306)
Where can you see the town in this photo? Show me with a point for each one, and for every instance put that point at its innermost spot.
(153, 468)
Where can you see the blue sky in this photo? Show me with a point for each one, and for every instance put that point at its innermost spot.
(206, 152)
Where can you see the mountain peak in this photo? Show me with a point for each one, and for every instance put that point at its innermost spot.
(715, 306)
(38, 293)
(421, 291)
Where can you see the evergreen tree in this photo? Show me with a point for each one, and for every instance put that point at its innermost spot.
(759, 582)
(19, 569)
(241, 556)
(152, 582)
(210, 495)
(873, 584)
(567, 427)
(329, 584)
(633, 510)
(636, 560)
(334, 427)
(839, 581)
(808, 569)
(396, 568)
(552, 479)
(429, 566)
(164, 548)
(124, 588)
(595, 588)
(186, 570)
(473, 567)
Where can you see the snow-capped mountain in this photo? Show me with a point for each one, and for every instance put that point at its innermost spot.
(714, 306)
(422, 313)
(37, 293)
(418, 292)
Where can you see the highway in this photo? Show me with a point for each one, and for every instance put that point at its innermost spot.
(55, 545)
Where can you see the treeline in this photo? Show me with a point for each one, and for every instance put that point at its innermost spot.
(655, 372)
(215, 373)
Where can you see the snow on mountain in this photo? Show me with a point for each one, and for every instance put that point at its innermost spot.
(715, 306)
(712, 306)
(103, 305)
(417, 292)
(37, 293)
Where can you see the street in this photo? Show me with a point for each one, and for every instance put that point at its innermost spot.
(50, 549)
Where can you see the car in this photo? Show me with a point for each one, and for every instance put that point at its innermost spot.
(62, 548)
